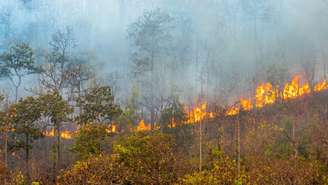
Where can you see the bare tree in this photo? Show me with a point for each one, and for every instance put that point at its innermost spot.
(56, 69)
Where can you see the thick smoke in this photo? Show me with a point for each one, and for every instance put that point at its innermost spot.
(226, 46)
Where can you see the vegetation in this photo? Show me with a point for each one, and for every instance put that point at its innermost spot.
(63, 121)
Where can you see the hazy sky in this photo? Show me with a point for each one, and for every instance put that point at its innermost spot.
(235, 36)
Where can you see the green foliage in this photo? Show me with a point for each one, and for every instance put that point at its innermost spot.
(18, 60)
(129, 116)
(90, 140)
(97, 105)
(224, 171)
(136, 159)
(55, 107)
(150, 34)
(173, 115)
(293, 171)
(147, 159)
(27, 112)
(96, 170)
(16, 63)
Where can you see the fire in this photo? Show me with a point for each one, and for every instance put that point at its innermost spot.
(198, 114)
(173, 123)
(66, 135)
(294, 89)
(112, 128)
(63, 134)
(233, 111)
(142, 126)
(266, 94)
(321, 86)
(246, 104)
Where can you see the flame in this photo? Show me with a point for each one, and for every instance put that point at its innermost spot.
(198, 114)
(246, 104)
(321, 86)
(294, 89)
(66, 135)
(142, 126)
(63, 134)
(173, 123)
(112, 128)
(234, 110)
(266, 94)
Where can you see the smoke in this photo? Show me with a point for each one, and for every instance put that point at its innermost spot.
(226, 44)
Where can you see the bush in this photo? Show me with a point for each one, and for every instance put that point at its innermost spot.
(136, 159)
(224, 172)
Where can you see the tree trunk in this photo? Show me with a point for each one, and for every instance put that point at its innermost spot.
(6, 148)
(58, 148)
(294, 139)
(17, 87)
(200, 147)
(152, 118)
(220, 137)
(6, 138)
(57, 161)
(27, 158)
(238, 145)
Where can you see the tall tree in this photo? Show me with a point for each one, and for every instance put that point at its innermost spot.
(17, 63)
(173, 115)
(28, 112)
(58, 61)
(97, 106)
(150, 35)
(58, 110)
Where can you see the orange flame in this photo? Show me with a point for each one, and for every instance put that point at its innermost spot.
(321, 86)
(142, 126)
(112, 128)
(266, 94)
(198, 114)
(246, 104)
(63, 134)
(233, 111)
(295, 89)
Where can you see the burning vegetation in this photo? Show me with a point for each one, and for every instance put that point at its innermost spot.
(163, 95)
(267, 94)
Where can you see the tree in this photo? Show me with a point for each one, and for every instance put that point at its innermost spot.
(90, 140)
(58, 110)
(78, 72)
(56, 69)
(17, 63)
(137, 159)
(28, 112)
(173, 115)
(150, 35)
(146, 159)
(224, 171)
(96, 170)
(5, 125)
(97, 106)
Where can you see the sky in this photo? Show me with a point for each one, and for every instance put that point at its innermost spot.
(227, 38)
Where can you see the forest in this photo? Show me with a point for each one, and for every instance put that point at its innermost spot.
(163, 92)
